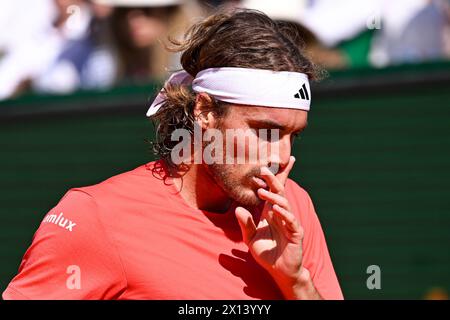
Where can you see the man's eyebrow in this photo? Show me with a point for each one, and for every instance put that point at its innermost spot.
(268, 123)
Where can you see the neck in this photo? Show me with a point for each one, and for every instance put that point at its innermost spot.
(199, 189)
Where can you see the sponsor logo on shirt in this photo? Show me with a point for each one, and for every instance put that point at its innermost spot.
(60, 221)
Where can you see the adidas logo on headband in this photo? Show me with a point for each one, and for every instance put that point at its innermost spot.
(303, 93)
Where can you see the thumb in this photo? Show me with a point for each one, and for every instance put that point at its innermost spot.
(248, 227)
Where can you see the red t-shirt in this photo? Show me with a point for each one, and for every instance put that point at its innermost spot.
(134, 237)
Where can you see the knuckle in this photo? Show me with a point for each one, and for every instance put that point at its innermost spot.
(301, 231)
(291, 219)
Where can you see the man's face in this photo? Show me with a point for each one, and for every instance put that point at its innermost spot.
(240, 181)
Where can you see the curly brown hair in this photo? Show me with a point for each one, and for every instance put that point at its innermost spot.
(238, 38)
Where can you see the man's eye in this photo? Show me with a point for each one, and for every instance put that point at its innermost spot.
(265, 134)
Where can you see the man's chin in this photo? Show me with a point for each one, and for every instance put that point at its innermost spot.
(248, 198)
(244, 192)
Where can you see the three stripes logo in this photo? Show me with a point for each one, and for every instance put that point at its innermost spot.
(302, 93)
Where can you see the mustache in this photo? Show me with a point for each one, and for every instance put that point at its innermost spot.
(257, 171)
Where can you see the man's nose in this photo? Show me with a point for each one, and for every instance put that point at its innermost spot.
(280, 152)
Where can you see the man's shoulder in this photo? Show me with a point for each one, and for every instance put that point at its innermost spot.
(144, 180)
(139, 184)
(294, 189)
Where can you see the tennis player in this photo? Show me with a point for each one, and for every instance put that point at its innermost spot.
(191, 229)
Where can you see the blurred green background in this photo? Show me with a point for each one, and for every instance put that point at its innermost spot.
(375, 160)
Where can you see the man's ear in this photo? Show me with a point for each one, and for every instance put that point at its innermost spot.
(203, 111)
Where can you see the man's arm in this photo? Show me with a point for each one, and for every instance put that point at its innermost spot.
(70, 257)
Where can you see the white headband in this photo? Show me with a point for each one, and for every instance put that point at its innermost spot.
(277, 89)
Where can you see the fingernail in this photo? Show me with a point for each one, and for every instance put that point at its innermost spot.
(294, 158)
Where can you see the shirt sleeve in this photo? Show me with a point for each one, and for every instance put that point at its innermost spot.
(70, 257)
(316, 257)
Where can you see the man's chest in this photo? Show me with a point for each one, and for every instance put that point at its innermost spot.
(189, 259)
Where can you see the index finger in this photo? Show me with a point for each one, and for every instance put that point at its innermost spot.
(273, 182)
(277, 182)
(283, 174)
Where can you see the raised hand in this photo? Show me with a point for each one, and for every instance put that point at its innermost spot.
(276, 241)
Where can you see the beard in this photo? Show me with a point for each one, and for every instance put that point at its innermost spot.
(231, 178)
(237, 187)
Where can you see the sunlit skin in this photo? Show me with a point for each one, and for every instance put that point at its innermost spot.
(275, 240)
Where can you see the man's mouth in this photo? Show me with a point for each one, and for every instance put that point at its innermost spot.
(260, 182)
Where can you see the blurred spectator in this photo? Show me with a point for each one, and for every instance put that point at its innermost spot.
(446, 10)
(86, 59)
(405, 31)
(58, 46)
(370, 32)
(28, 23)
(291, 12)
(211, 6)
(20, 20)
(68, 49)
(141, 28)
(412, 33)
